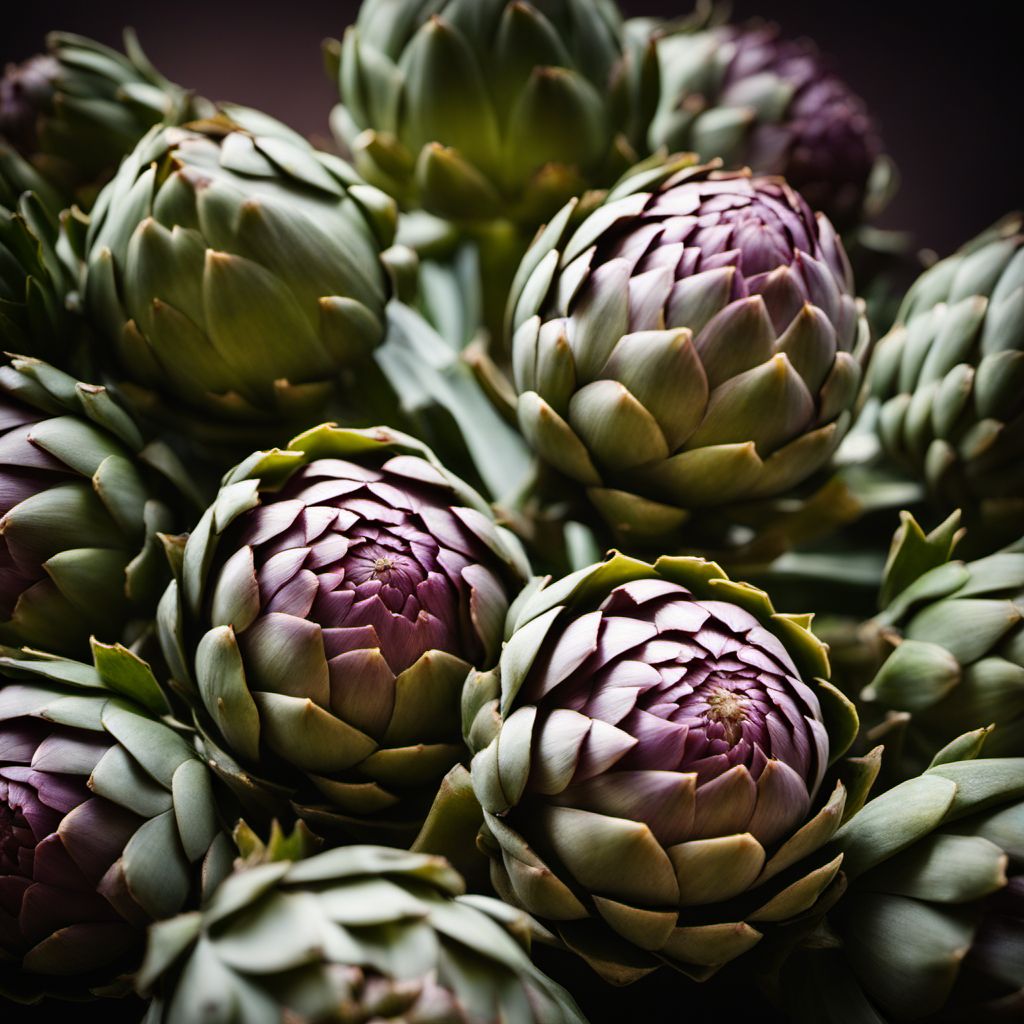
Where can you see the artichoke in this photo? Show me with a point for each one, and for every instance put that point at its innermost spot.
(949, 384)
(754, 98)
(234, 271)
(650, 755)
(34, 283)
(77, 109)
(107, 822)
(932, 925)
(83, 501)
(331, 604)
(362, 933)
(484, 109)
(693, 345)
(956, 632)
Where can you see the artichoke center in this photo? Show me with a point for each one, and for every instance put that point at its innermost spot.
(382, 566)
(728, 709)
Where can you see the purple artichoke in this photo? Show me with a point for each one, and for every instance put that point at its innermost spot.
(53, 914)
(693, 344)
(76, 110)
(754, 98)
(332, 602)
(81, 505)
(659, 742)
(105, 818)
(707, 716)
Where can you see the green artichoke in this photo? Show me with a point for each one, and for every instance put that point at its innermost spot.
(77, 109)
(34, 283)
(650, 759)
(107, 822)
(330, 606)
(956, 632)
(754, 98)
(234, 272)
(485, 109)
(932, 925)
(693, 346)
(948, 381)
(83, 501)
(362, 933)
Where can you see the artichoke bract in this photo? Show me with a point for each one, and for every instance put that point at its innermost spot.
(83, 500)
(371, 934)
(932, 924)
(331, 604)
(754, 98)
(107, 822)
(77, 109)
(694, 344)
(482, 109)
(956, 633)
(650, 759)
(234, 271)
(949, 383)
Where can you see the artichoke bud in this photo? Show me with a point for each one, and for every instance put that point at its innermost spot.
(84, 501)
(655, 782)
(331, 604)
(931, 923)
(77, 109)
(948, 384)
(234, 272)
(756, 99)
(461, 957)
(956, 630)
(487, 109)
(693, 345)
(34, 282)
(94, 794)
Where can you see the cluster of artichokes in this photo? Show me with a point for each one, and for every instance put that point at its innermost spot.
(386, 615)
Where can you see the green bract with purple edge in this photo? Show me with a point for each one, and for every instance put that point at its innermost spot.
(694, 344)
(329, 607)
(650, 758)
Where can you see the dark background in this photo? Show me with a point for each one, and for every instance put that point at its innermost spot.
(945, 90)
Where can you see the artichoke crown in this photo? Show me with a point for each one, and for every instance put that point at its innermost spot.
(694, 343)
(649, 757)
(754, 98)
(330, 605)
(77, 109)
(107, 821)
(235, 269)
(948, 381)
(355, 934)
(477, 109)
(85, 500)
